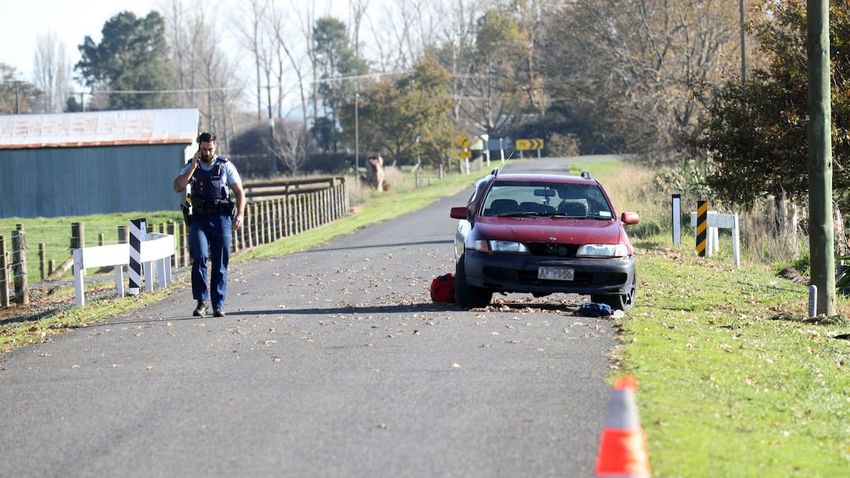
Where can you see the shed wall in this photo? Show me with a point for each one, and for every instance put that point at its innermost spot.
(54, 182)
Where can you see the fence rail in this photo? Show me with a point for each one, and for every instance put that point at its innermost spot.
(274, 210)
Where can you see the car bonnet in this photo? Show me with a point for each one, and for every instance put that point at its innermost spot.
(549, 230)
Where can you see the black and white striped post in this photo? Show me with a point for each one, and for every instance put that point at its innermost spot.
(138, 231)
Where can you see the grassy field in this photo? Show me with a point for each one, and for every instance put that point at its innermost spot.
(733, 380)
(55, 233)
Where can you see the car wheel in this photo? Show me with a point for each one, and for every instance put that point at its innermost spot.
(618, 301)
(467, 296)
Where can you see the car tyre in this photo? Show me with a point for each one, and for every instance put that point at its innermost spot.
(622, 302)
(467, 296)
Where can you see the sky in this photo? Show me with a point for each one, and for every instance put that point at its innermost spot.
(22, 21)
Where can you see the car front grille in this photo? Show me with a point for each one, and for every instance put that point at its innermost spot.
(553, 250)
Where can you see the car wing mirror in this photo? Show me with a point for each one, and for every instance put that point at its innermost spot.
(458, 213)
(630, 218)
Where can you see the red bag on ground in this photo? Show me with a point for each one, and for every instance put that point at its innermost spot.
(443, 289)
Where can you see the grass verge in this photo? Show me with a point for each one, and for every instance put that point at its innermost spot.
(15, 334)
(729, 386)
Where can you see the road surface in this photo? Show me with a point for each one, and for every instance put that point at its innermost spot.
(331, 362)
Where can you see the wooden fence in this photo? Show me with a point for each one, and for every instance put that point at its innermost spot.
(273, 210)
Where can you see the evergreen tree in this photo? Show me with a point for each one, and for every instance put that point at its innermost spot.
(132, 56)
(755, 133)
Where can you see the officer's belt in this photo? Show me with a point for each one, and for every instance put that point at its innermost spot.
(215, 209)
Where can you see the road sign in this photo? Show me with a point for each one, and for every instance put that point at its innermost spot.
(496, 144)
(464, 142)
(465, 154)
(528, 144)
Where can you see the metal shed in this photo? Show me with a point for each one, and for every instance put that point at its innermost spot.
(76, 164)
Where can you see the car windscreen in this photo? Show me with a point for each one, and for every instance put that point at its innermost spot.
(534, 198)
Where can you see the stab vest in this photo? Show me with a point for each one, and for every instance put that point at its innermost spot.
(209, 186)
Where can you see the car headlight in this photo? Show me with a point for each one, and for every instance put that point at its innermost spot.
(510, 247)
(602, 250)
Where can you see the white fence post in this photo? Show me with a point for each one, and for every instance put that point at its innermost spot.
(725, 221)
(677, 220)
(154, 252)
(117, 255)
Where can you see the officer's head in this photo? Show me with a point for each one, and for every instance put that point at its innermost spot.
(206, 144)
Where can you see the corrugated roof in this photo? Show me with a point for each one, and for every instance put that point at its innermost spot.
(99, 128)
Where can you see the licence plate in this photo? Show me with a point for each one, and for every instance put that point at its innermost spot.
(555, 273)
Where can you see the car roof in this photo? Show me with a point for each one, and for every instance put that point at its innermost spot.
(547, 178)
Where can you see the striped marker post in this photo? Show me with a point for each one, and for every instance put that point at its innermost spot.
(622, 448)
(138, 231)
(702, 226)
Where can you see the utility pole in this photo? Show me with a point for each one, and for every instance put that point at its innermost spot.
(743, 43)
(17, 103)
(821, 239)
(357, 138)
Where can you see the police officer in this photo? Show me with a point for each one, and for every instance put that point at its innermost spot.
(213, 215)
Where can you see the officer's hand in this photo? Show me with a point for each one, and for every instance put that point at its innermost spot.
(196, 158)
(237, 223)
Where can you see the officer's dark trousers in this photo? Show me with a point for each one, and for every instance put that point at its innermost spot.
(209, 239)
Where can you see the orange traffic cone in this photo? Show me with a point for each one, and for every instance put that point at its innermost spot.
(622, 448)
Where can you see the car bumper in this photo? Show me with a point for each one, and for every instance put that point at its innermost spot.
(518, 273)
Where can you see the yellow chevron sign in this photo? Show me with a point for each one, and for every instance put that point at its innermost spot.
(528, 144)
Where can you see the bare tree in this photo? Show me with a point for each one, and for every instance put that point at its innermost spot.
(647, 63)
(282, 44)
(405, 30)
(306, 20)
(205, 74)
(289, 144)
(457, 36)
(356, 11)
(52, 73)
(249, 27)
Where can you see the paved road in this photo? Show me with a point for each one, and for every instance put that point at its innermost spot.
(331, 362)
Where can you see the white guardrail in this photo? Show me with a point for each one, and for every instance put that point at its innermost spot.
(721, 221)
(155, 251)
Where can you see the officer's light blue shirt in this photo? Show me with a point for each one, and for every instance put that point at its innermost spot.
(230, 173)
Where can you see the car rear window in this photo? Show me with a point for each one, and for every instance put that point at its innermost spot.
(517, 198)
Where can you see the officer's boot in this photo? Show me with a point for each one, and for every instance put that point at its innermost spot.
(200, 310)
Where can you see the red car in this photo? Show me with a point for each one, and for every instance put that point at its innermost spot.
(541, 234)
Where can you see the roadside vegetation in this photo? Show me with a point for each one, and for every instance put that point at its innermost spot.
(735, 379)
